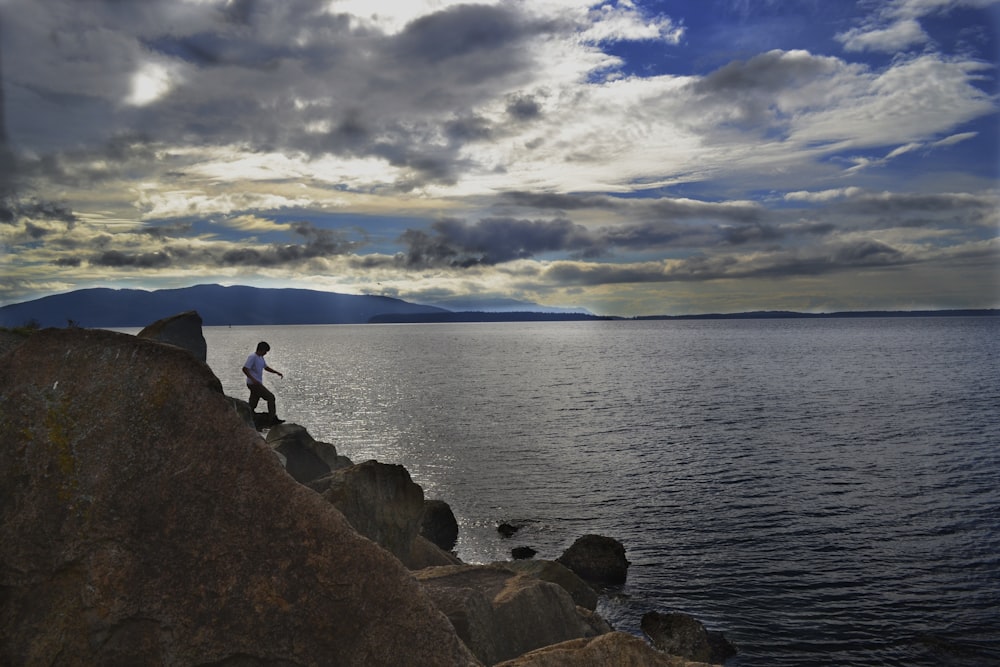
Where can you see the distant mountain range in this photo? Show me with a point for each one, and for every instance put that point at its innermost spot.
(240, 305)
(217, 305)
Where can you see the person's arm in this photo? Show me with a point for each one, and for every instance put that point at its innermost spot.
(271, 370)
(246, 371)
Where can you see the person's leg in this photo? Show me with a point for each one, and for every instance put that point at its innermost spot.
(266, 394)
(254, 397)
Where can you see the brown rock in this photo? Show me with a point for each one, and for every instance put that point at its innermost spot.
(684, 635)
(381, 502)
(501, 614)
(549, 570)
(616, 648)
(182, 330)
(144, 523)
(597, 559)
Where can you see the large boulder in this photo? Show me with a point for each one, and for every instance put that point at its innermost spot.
(308, 459)
(616, 648)
(182, 330)
(144, 523)
(439, 524)
(381, 502)
(680, 634)
(549, 570)
(597, 559)
(501, 614)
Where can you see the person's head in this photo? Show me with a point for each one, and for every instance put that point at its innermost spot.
(263, 348)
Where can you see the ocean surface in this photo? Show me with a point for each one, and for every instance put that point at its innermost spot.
(824, 492)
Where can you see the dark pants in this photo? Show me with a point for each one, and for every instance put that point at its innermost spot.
(257, 392)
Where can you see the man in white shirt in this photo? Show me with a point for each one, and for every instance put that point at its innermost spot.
(254, 370)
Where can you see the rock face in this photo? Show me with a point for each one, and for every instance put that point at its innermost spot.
(617, 648)
(439, 525)
(144, 523)
(597, 559)
(182, 330)
(683, 635)
(381, 502)
(500, 614)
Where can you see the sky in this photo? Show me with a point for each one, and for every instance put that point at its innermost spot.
(628, 158)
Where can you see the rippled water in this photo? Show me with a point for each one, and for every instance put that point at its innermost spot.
(825, 492)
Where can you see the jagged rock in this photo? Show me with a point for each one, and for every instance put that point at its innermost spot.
(522, 553)
(144, 523)
(597, 559)
(557, 573)
(308, 459)
(680, 634)
(182, 330)
(439, 524)
(616, 648)
(381, 502)
(500, 614)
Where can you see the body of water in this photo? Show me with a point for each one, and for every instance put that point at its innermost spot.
(824, 492)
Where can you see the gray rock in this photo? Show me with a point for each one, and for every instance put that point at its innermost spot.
(439, 525)
(597, 559)
(182, 330)
(683, 635)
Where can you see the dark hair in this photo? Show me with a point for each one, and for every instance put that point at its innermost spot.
(263, 346)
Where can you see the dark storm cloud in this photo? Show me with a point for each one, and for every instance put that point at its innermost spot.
(777, 264)
(658, 235)
(318, 243)
(13, 209)
(494, 241)
(491, 241)
(119, 259)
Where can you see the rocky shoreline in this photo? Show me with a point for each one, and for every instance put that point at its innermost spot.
(147, 521)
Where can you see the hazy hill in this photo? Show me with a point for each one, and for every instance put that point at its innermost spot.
(217, 305)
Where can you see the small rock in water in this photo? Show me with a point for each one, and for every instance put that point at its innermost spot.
(597, 559)
(685, 636)
(522, 553)
(507, 530)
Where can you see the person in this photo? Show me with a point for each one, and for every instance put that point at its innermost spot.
(254, 370)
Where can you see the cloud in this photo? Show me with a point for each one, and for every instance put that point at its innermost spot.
(895, 25)
(896, 37)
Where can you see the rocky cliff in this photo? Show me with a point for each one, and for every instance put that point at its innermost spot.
(146, 522)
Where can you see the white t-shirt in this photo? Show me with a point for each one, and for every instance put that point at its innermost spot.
(255, 364)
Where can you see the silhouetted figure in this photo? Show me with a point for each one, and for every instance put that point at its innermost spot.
(254, 370)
